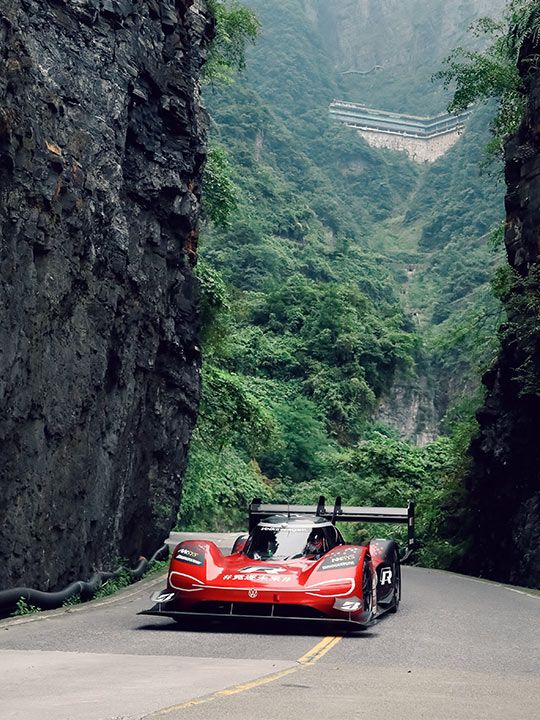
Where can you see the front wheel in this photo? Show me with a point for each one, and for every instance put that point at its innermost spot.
(367, 590)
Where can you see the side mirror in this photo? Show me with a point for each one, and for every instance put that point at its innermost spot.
(239, 544)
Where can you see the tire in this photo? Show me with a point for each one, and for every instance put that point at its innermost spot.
(367, 589)
(396, 567)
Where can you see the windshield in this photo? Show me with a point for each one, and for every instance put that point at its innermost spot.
(269, 542)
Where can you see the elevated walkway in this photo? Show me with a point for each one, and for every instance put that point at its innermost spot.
(423, 138)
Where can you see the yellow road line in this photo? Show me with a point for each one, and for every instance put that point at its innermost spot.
(329, 645)
(318, 650)
(310, 658)
(224, 693)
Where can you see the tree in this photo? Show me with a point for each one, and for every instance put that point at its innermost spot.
(493, 72)
(236, 27)
(220, 193)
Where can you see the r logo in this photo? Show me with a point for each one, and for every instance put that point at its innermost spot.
(386, 576)
(252, 593)
(263, 569)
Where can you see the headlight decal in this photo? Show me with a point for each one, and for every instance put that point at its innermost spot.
(340, 587)
(178, 584)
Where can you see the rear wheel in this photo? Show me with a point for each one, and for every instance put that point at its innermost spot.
(396, 574)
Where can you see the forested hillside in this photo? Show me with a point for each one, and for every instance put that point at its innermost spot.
(347, 299)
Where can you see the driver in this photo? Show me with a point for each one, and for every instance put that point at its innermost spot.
(314, 545)
(266, 552)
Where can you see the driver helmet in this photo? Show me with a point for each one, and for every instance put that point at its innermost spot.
(268, 549)
(314, 545)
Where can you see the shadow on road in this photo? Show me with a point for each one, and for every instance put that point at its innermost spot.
(253, 627)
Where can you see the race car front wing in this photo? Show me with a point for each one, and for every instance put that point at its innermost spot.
(346, 623)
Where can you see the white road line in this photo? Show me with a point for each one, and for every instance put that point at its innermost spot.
(521, 592)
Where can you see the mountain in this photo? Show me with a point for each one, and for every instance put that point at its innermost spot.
(350, 278)
(386, 51)
(429, 223)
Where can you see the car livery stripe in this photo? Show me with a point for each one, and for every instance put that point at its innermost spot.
(244, 588)
(307, 591)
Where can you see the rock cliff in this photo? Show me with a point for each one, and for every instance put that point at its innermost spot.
(102, 143)
(503, 488)
(365, 35)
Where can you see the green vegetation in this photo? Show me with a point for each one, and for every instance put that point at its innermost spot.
(124, 578)
(72, 601)
(24, 608)
(220, 192)
(493, 72)
(303, 333)
(331, 272)
(118, 582)
(521, 297)
(236, 26)
(156, 567)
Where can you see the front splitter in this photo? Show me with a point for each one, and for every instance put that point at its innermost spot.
(334, 623)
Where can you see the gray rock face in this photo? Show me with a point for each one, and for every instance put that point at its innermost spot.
(503, 488)
(362, 35)
(102, 143)
(409, 408)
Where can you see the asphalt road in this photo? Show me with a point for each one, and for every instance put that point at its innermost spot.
(458, 648)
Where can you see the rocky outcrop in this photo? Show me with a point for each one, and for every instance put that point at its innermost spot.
(102, 144)
(409, 408)
(503, 488)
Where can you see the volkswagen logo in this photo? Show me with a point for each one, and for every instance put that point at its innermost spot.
(252, 593)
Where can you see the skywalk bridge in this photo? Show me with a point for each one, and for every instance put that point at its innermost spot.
(423, 138)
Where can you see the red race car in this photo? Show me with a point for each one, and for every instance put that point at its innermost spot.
(293, 565)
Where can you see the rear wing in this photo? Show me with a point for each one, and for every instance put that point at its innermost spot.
(259, 510)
